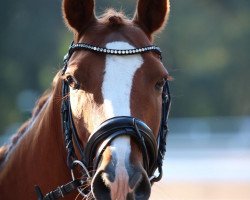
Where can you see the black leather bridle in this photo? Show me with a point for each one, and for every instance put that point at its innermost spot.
(153, 150)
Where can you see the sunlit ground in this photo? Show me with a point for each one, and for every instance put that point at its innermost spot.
(201, 190)
(203, 166)
(221, 176)
(218, 176)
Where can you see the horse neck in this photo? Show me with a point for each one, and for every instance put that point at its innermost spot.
(39, 157)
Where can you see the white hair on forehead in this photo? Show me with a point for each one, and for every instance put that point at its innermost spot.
(118, 79)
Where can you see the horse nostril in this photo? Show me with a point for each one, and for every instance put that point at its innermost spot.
(99, 189)
(143, 188)
(135, 179)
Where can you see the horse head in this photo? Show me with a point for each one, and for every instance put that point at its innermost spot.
(114, 81)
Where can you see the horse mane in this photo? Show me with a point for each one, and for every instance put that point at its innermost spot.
(5, 149)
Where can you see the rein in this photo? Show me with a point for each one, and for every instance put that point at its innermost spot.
(153, 150)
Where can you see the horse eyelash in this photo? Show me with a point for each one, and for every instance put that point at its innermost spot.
(72, 81)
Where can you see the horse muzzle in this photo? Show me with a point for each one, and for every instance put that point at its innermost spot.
(137, 184)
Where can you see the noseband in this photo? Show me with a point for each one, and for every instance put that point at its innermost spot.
(153, 150)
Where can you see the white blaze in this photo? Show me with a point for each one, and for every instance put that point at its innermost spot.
(118, 80)
(116, 89)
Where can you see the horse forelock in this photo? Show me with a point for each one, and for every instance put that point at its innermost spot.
(113, 18)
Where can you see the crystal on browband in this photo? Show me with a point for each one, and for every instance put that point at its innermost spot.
(83, 46)
(115, 51)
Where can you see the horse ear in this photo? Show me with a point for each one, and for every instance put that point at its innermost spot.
(151, 15)
(78, 14)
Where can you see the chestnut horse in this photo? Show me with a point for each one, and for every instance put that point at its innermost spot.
(100, 131)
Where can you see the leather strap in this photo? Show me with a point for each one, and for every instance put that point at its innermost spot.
(60, 192)
(118, 126)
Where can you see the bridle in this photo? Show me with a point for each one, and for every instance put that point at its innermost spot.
(153, 150)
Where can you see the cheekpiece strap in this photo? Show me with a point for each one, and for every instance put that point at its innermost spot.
(162, 136)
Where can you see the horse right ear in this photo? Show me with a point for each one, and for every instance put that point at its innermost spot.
(151, 15)
(78, 14)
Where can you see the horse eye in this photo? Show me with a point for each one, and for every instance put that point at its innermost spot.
(72, 82)
(159, 85)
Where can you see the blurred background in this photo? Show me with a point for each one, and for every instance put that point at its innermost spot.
(206, 47)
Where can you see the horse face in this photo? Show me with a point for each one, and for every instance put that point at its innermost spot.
(108, 86)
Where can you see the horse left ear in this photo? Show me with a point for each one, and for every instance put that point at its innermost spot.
(78, 14)
(151, 15)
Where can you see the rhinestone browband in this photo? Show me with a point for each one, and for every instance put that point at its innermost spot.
(115, 51)
(79, 46)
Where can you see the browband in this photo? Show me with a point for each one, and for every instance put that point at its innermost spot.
(81, 46)
(115, 51)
